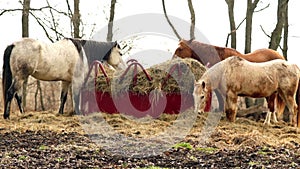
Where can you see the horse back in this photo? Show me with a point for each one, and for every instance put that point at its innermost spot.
(263, 55)
(257, 79)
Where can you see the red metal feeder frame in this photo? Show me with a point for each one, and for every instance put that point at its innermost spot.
(170, 103)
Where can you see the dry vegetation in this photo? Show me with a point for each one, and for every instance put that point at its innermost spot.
(65, 140)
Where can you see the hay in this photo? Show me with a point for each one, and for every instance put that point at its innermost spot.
(180, 80)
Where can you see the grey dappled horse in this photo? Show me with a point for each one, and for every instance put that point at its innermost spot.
(67, 60)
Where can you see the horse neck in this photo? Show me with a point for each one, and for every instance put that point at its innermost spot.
(196, 57)
(208, 54)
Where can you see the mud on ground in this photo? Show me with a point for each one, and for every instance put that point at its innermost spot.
(48, 140)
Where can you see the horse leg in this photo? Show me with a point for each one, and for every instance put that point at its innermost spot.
(19, 101)
(231, 106)
(9, 96)
(15, 87)
(271, 105)
(63, 97)
(292, 106)
(76, 101)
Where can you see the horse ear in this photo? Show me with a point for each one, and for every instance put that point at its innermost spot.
(115, 43)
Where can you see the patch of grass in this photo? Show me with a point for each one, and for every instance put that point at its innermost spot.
(264, 151)
(43, 147)
(59, 159)
(207, 149)
(22, 157)
(183, 145)
(252, 163)
(261, 152)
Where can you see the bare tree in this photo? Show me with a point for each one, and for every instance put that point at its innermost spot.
(230, 5)
(193, 19)
(111, 20)
(281, 22)
(249, 16)
(285, 32)
(76, 19)
(25, 33)
(168, 20)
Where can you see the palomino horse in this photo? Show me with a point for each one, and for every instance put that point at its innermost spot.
(210, 55)
(66, 60)
(236, 76)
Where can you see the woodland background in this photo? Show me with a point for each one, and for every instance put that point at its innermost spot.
(49, 17)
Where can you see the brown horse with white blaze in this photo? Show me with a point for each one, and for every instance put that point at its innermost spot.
(210, 55)
(235, 77)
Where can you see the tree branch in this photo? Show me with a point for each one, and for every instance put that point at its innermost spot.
(168, 20)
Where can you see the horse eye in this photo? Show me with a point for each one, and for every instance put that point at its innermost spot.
(202, 97)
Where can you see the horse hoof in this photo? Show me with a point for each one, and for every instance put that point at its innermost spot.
(6, 116)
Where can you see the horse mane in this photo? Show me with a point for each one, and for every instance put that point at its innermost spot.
(93, 50)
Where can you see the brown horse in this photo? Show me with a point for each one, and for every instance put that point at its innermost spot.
(235, 77)
(210, 55)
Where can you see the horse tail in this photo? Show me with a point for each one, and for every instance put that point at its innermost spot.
(6, 73)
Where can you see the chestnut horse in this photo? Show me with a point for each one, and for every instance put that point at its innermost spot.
(236, 76)
(210, 55)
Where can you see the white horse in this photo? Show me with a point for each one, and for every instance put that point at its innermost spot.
(66, 60)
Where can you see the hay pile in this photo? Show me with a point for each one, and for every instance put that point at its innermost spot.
(181, 79)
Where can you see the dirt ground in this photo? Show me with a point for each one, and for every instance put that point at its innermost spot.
(48, 140)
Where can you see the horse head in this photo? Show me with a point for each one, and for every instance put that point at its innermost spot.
(201, 94)
(183, 50)
(115, 58)
(202, 52)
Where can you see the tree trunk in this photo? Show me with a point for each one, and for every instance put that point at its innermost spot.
(230, 4)
(249, 16)
(277, 32)
(76, 19)
(111, 21)
(285, 33)
(193, 19)
(25, 33)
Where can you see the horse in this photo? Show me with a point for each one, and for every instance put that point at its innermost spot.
(210, 55)
(236, 76)
(66, 60)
